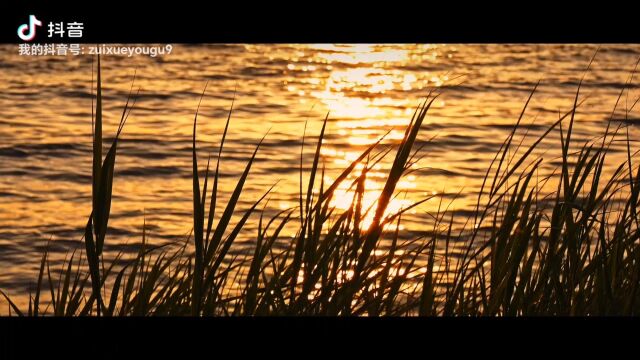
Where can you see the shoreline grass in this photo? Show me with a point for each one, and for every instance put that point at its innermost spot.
(575, 251)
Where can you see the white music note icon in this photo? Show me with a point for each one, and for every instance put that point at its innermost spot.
(30, 27)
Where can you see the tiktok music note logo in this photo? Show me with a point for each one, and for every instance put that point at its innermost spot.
(27, 32)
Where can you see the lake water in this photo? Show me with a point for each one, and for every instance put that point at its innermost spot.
(45, 128)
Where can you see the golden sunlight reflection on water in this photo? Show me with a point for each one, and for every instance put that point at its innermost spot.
(356, 96)
(368, 90)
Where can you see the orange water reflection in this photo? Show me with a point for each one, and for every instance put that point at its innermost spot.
(367, 89)
(356, 97)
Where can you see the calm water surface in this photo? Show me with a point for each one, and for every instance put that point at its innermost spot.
(45, 128)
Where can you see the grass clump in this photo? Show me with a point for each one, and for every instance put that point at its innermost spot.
(574, 251)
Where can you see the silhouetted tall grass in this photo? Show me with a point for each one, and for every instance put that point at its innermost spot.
(575, 251)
